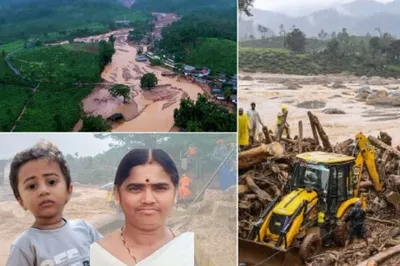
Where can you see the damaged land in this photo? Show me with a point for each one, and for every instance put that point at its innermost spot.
(266, 167)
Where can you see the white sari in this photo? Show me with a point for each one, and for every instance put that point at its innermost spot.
(178, 252)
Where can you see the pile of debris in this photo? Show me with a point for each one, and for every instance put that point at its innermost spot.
(214, 222)
(264, 170)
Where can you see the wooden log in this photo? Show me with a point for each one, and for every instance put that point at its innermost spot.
(268, 139)
(300, 136)
(394, 181)
(321, 133)
(314, 130)
(382, 256)
(381, 145)
(261, 194)
(259, 154)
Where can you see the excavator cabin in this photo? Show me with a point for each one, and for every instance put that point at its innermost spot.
(330, 175)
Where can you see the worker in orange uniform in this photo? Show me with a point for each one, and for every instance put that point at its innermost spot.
(184, 190)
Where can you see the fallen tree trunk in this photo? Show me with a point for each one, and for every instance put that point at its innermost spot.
(381, 145)
(382, 256)
(300, 136)
(321, 132)
(261, 194)
(267, 136)
(259, 154)
(314, 130)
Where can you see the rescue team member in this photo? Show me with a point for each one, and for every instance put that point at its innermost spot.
(184, 190)
(254, 118)
(356, 219)
(244, 128)
(286, 127)
(41, 183)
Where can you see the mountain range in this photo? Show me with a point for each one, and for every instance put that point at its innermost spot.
(359, 18)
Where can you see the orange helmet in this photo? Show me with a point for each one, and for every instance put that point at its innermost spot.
(192, 151)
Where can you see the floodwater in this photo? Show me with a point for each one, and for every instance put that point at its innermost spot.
(267, 91)
(144, 113)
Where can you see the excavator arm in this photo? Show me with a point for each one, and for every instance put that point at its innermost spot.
(365, 156)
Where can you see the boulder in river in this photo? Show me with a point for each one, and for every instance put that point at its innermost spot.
(247, 78)
(311, 104)
(333, 111)
(376, 81)
(379, 97)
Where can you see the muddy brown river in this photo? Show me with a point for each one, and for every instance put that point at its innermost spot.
(143, 113)
(269, 94)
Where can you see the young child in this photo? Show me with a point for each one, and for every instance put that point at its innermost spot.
(41, 183)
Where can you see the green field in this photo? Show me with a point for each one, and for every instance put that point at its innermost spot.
(11, 104)
(11, 46)
(60, 65)
(61, 71)
(217, 54)
(53, 109)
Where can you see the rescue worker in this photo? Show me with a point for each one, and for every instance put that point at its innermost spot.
(279, 118)
(356, 227)
(244, 127)
(184, 191)
(254, 118)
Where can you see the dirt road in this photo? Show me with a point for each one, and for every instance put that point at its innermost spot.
(269, 92)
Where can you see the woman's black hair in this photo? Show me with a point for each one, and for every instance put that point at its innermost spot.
(143, 156)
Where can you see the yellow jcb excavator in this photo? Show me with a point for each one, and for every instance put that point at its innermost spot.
(320, 193)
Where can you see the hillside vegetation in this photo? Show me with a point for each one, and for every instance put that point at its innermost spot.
(358, 55)
(204, 38)
(51, 20)
(67, 74)
(182, 6)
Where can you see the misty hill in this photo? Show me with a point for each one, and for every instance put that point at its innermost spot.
(359, 18)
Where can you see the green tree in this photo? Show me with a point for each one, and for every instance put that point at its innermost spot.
(95, 124)
(245, 5)
(148, 80)
(111, 39)
(155, 62)
(296, 41)
(120, 90)
(209, 116)
(227, 92)
(3, 53)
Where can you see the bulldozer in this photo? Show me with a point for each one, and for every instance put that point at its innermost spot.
(322, 184)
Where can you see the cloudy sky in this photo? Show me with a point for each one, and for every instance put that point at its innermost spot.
(84, 144)
(296, 7)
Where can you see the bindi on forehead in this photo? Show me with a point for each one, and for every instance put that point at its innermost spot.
(147, 180)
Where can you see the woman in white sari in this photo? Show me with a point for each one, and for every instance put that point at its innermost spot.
(146, 189)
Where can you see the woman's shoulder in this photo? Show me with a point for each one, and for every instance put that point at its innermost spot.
(108, 239)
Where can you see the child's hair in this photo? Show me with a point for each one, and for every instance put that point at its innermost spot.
(143, 156)
(43, 149)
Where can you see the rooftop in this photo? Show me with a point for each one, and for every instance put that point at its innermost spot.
(324, 157)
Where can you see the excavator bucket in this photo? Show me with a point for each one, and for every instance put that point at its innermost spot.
(253, 253)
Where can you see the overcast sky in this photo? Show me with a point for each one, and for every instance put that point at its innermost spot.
(291, 6)
(84, 144)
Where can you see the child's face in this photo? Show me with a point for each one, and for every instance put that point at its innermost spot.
(147, 196)
(42, 188)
